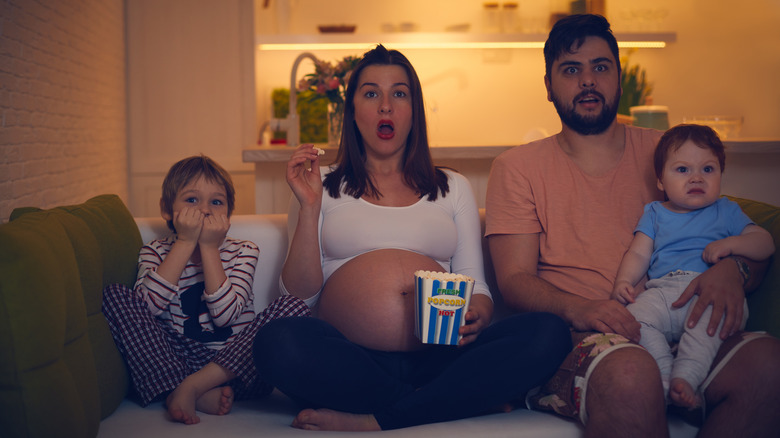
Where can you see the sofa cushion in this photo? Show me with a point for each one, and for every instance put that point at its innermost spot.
(62, 364)
(113, 259)
(48, 381)
(764, 303)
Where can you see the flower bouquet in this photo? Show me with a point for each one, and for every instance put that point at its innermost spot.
(329, 82)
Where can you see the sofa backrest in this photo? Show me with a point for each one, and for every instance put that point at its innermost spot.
(268, 231)
(60, 372)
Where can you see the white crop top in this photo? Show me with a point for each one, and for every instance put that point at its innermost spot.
(446, 230)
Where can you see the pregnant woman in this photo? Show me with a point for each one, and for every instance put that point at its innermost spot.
(360, 229)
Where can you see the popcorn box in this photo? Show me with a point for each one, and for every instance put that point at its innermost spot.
(441, 302)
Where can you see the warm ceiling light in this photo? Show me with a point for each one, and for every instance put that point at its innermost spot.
(408, 45)
(439, 45)
(438, 41)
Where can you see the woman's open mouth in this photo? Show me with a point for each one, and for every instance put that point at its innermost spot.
(385, 129)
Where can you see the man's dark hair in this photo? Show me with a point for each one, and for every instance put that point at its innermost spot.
(569, 33)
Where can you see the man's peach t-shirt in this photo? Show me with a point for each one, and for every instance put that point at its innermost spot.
(585, 222)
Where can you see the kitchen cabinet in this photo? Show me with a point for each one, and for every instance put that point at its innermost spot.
(191, 90)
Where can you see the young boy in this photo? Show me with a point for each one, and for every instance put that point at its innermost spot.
(674, 242)
(188, 327)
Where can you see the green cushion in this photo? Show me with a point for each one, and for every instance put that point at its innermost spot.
(47, 375)
(61, 363)
(764, 303)
(113, 258)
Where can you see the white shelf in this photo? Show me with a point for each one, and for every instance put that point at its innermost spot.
(421, 40)
(752, 146)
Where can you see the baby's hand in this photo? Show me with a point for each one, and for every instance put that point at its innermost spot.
(214, 231)
(188, 223)
(623, 292)
(715, 251)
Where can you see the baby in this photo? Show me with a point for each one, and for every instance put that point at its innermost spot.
(674, 242)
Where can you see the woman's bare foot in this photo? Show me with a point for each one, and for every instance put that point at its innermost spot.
(326, 419)
(682, 394)
(183, 402)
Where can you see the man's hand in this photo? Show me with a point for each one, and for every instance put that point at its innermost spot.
(606, 316)
(721, 287)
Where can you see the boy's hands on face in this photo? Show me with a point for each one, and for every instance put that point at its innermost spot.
(188, 223)
(214, 231)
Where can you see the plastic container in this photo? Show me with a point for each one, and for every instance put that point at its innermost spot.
(727, 127)
(651, 116)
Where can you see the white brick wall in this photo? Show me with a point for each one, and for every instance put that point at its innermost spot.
(63, 129)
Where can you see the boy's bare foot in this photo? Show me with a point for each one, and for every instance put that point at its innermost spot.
(326, 419)
(682, 394)
(217, 401)
(182, 403)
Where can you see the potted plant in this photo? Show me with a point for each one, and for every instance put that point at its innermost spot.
(636, 88)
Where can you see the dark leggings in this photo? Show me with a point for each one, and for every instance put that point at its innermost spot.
(316, 366)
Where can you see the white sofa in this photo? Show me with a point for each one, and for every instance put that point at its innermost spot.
(271, 416)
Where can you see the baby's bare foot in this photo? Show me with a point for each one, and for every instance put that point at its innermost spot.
(682, 394)
(326, 419)
(217, 401)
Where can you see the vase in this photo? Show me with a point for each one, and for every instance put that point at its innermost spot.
(335, 120)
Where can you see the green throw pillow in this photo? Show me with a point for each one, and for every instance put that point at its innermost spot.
(47, 372)
(60, 372)
(764, 303)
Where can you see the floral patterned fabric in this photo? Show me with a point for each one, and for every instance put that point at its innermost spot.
(564, 393)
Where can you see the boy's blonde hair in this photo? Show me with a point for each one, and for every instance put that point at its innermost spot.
(189, 169)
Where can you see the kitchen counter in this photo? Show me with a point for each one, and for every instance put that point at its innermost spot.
(272, 194)
(282, 153)
(753, 169)
(267, 153)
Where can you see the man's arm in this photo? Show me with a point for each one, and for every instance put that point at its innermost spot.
(724, 287)
(515, 258)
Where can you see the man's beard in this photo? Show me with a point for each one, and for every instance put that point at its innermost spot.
(587, 125)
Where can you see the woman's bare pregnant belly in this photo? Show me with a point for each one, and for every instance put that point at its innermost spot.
(370, 299)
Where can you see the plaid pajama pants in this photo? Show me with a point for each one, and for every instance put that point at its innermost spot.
(159, 358)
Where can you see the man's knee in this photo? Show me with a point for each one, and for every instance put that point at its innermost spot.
(627, 374)
(752, 372)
